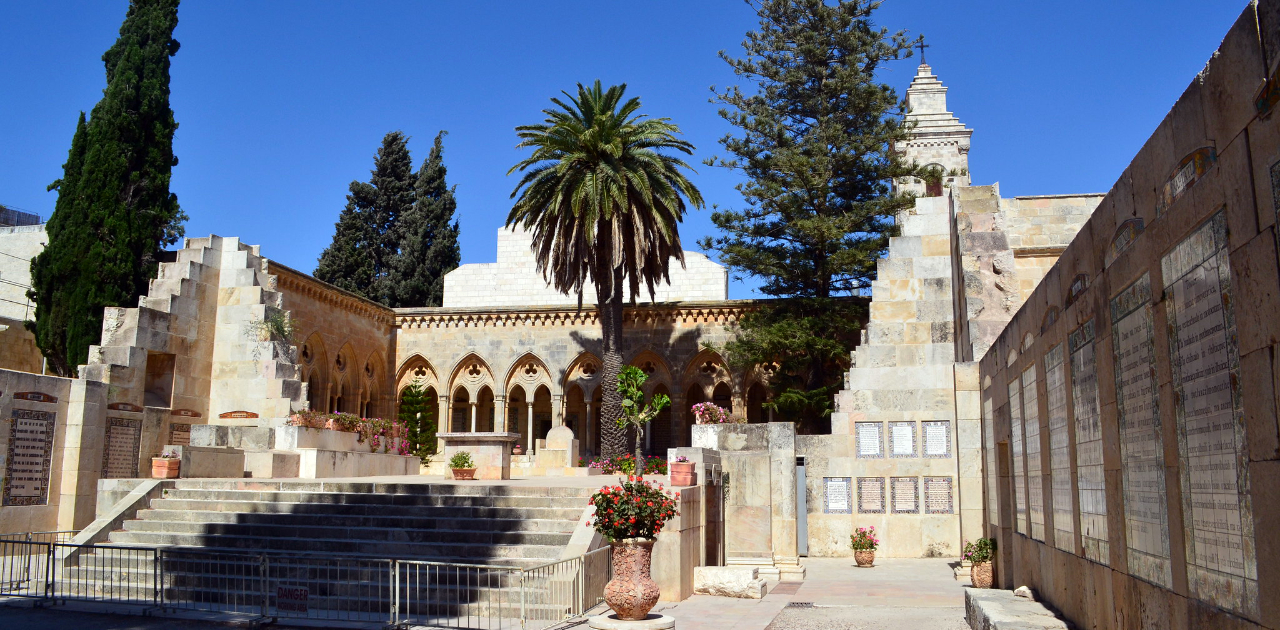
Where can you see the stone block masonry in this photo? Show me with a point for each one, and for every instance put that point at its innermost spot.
(1150, 451)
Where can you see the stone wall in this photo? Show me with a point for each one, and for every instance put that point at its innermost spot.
(18, 245)
(514, 280)
(1129, 408)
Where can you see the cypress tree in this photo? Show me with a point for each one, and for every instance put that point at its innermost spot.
(816, 147)
(428, 236)
(419, 420)
(114, 213)
(364, 244)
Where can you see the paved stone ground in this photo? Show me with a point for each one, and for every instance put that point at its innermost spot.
(905, 593)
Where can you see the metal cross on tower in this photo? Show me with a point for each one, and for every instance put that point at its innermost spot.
(921, 45)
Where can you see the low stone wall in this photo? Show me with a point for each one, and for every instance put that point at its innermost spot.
(987, 609)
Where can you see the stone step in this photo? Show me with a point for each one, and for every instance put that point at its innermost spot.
(477, 553)
(339, 531)
(555, 526)
(236, 503)
(385, 489)
(370, 498)
(309, 510)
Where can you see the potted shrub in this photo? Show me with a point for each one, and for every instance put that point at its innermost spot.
(682, 473)
(463, 467)
(166, 466)
(630, 516)
(517, 450)
(864, 543)
(980, 552)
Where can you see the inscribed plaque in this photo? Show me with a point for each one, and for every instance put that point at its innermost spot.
(837, 495)
(1059, 450)
(871, 495)
(1146, 518)
(179, 434)
(902, 439)
(1090, 478)
(120, 450)
(1035, 463)
(906, 495)
(937, 438)
(30, 452)
(1213, 453)
(869, 440)
(1019, 458)
(937, 495)
(989, 459)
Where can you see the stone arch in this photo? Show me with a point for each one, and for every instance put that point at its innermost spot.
(417, 369)
(707, 369)
(756, 390)
(653, 365)
(313, 359)
(528, 373)
(344, 360)
(372, 377)
(585, 372)
(471, 373)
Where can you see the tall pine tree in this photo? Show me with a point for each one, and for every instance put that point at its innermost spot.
(364, 242)
(114, 213)
(428, 236)
(816, 147)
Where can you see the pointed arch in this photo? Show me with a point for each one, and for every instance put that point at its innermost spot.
(417, 369)
(528, 373)
(585, 372)
(655, 367)
(471, 373)
(707, 369)
(316, 370)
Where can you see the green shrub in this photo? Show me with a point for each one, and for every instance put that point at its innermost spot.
(461, 459)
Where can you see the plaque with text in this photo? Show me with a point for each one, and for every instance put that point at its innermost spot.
(1055, 375)
(989, 460)
(30, 457)
(906, 495)
(1088, 426)
(1146, 518)
(179, 434)
(1213, 453)
(120, 450)
(871, 495)
(1019, 457)
(869, 440)
(937, 495)
(937, 438)
(1035, 463)
(837, 493)
(902, 439)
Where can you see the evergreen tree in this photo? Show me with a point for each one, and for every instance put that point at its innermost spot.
(364, 242)
(427, 236)
(419, 420)
(114, 213)
(816, 147)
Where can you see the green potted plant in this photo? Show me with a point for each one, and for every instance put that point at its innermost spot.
(630, 516)
(166, 466)
(864, 543)
(980, 552)
(463, 467)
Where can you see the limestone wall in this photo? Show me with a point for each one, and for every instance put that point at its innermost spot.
(514, 280)
(1129, 408)
(18, 245)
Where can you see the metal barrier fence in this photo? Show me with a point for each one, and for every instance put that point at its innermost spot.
(380, 592)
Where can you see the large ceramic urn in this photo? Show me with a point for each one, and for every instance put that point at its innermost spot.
(631, 593)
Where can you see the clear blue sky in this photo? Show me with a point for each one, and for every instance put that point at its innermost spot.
(282, 104)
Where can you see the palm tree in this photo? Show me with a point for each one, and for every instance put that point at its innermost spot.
(603, 204)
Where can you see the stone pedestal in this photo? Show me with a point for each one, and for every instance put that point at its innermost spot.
(491, 452)
(611, 622)
(559, 450)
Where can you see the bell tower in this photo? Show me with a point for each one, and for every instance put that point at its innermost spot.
(937, 139)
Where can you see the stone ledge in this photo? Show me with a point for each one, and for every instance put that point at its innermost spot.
(996, 609)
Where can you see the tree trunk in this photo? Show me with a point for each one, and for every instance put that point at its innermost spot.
(613, 438)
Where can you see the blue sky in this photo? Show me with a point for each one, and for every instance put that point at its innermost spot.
(282, 104)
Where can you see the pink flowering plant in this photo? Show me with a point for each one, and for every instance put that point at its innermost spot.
(864, 539)
(626, 465)
(634, 509)
(711, 413)
(380, 435)
(980, 550)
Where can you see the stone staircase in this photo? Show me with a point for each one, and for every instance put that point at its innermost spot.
(335, 539)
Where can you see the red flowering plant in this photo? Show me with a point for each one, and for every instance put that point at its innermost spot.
(634, 509)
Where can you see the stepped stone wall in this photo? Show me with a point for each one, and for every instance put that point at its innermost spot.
(1132, 452)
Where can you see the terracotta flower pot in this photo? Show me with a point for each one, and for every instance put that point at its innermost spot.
(464, 474)
(981, 574)
(682, 474)
(864, 558)
(165, 467)
(517, 451)
(631, 593)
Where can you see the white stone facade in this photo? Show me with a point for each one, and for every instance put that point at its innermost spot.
(514, 280)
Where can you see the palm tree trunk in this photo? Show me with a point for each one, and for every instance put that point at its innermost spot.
(613, 438)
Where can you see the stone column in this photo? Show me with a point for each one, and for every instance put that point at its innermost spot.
(782, 490)
(444, 423)
(532, 437)
(588, 429)
(557, 410)
(473, 416)
(499, 414)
